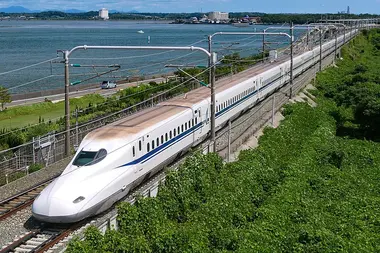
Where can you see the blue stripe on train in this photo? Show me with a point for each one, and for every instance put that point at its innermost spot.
(183, 135)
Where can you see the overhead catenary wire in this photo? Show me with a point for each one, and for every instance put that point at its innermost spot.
(29, 66)
(85, 109)
(109, 115)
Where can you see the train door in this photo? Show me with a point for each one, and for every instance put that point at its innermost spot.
(255, 88)
(140, 151)
(260, 87)
(198, 117)
(282, 72)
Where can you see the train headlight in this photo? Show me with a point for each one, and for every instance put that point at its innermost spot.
(79, 199)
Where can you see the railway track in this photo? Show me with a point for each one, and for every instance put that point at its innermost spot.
(40, 240)
(13, 204)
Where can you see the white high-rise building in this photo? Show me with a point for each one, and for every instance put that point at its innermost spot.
(217, 15)
(103, 14)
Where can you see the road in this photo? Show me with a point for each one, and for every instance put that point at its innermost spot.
(81, 93)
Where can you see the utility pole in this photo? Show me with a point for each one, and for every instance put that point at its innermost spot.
(67, 104)
(212, 102)
(291, 59)
(209, 59)
(320, 50)
(212, 70)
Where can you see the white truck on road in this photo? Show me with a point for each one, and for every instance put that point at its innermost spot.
(108, 85)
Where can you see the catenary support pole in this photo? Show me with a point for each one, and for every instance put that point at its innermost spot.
(76, 128)
(213, 69)
(229, 141)
(273, 108)
(291, 59)
(336, 45)
(67, 104)
(320, 50)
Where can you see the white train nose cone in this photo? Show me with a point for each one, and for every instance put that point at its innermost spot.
(55, 210)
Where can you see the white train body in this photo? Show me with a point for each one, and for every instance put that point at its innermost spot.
(113, 159)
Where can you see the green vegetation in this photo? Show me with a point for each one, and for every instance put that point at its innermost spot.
(354, 87)
(311, 185)
(35, 167)
(21, 116)
(5, 97)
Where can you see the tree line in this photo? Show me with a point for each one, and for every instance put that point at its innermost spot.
(266, 18)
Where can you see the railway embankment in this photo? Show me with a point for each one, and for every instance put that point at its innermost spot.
(311, 184)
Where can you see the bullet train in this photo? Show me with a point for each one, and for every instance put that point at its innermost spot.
(113, 159)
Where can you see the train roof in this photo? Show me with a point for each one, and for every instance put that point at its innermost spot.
(143, 120)
(132, 124)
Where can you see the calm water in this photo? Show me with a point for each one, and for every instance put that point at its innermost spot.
(23, 43)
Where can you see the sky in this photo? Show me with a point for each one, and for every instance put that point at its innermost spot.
(269, 6)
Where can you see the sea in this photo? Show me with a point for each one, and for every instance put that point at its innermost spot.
(30, 59)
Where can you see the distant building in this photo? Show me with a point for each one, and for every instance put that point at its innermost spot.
(103, 14)
(251, 20)
(348, 9)
(204, 19)
(217, 15)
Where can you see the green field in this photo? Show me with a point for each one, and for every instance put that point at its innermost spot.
(21, 116)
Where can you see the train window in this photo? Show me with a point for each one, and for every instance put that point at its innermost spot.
(178, 130)
(196, 121)
(87, 158)
(133, 151)
(166, 137)
(157, 142)
(192, 121)
(189, 123)
(139, 145)
(153, 144)
(162, 139)
(174, 131)
(170, 134)
(185, 126)
(147, 147)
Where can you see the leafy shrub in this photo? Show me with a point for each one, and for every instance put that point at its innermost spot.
(35, 167)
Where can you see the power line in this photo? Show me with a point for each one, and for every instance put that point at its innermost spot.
(37, 80)
(26, 67)
(112, 114)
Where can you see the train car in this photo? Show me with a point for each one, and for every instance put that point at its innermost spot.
(114, 159)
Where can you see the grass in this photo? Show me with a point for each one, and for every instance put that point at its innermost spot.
(22, 116)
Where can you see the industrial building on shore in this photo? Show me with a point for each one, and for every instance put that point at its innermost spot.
(103, 14)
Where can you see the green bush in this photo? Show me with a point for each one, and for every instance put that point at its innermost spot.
(35, 167)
